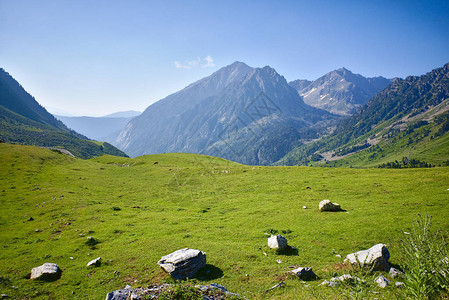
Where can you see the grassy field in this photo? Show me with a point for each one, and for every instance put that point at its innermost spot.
(140, 211)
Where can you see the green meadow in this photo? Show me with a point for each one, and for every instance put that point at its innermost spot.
(139, 211)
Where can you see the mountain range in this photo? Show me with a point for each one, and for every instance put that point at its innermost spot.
(24, 121)
(254, 116)
(340, 91)
(408, 120)
(249, 115)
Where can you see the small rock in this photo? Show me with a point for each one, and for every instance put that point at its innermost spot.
(304, 273)
(71, 257)
(128, 287)
(95, 262)
(399, 284)
(47, 271)
(279, 261)
(327, 205)
(36, 230)
(4, 296)
(275, 286)
(305, 207)
(375, 258)
(277, 242)
(338, 255)
(382, 282)
(395, 273)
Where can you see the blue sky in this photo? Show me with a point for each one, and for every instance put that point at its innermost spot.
(89, 57)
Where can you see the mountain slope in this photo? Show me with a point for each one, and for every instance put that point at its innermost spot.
(410, 116)
(340, 91)
(24, 121)
(209, 116)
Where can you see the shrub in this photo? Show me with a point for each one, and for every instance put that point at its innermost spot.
(425, 261)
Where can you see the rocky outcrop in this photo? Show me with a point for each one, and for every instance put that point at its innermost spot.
(327, 205)
(47, 271)
(207, 292)
(375, 258)
(183, 263)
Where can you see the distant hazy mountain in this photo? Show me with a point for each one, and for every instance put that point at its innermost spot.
(24, 121)
(408, 118)
(341, 91)
(249, 115)
(124, 114)
(104, 128)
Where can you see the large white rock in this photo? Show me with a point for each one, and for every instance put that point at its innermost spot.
(183, 263)
(327, 205)
(375, 258)
(277, 242)
(47, 271)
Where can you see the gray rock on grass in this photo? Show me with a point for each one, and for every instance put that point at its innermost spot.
(183, 263)
(277, 242)
(304, 273)
(395, 273)
(375, 258)
(47, 271)
(382, 282)
(327, 205)
(94, 263)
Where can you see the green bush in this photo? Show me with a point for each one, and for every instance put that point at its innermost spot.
(425, 261)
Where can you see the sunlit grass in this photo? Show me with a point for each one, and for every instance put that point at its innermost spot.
(140, 210)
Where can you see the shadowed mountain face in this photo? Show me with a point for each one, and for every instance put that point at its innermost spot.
(340, 92)
(16, 99)
(23, 120)
(249, 115)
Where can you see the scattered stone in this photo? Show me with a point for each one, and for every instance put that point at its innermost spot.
(338, 255)
(305, 207)
(91, 241)
(399, 284)
(304, 273)
(47, 271)
(375, 258)
(4, 296)
(95, 262)
(275, 286)
(183, 263)
(71, 257)
(382, 282)
(36, 230)
(335, 281)
(327, 205)
(277, 242)
(395, 273)
(128, 287)
(279, 261)
(265, 254)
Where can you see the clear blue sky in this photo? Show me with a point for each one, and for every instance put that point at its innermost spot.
(90, 57)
